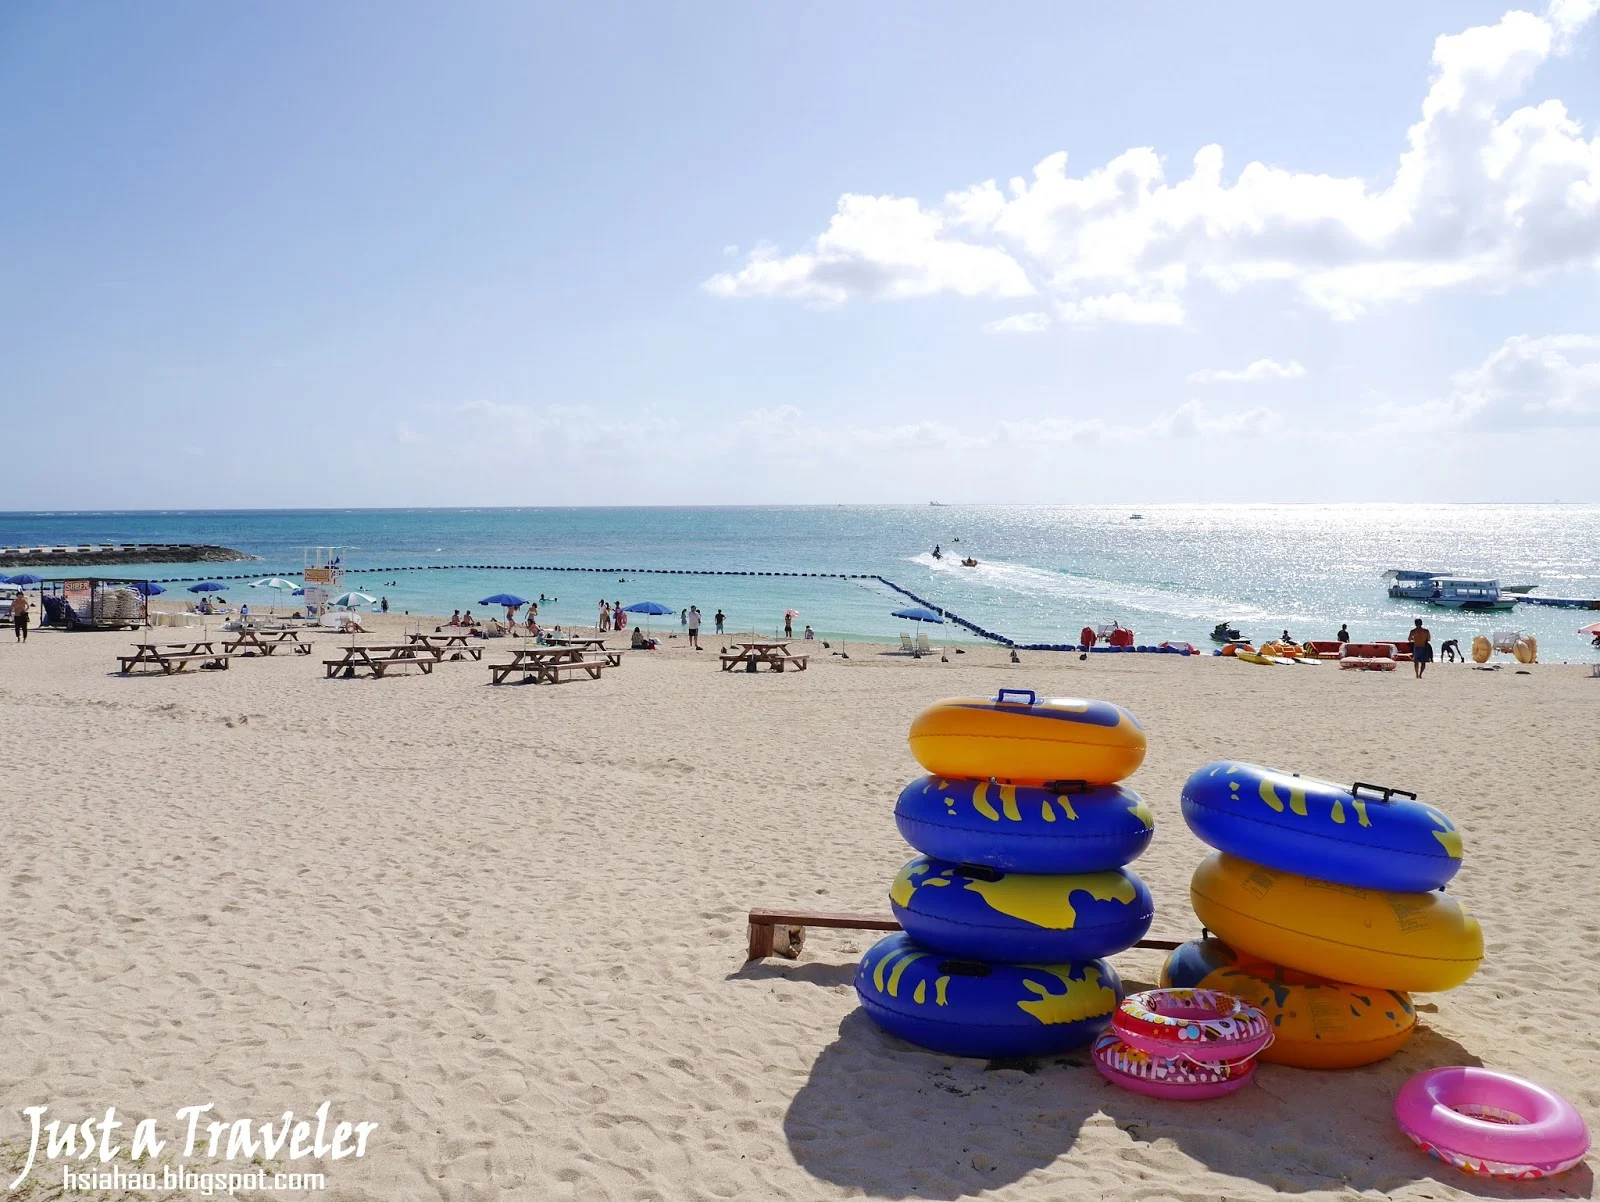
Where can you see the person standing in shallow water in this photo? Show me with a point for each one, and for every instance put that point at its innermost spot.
(1421, 648)
(788, 627)
(720, 619)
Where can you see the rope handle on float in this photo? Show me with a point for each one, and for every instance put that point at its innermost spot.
(1067, 788)
(1230, 1065)
(1383, 792)
(1000, 697)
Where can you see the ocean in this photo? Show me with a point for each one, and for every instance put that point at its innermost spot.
(1043, 572)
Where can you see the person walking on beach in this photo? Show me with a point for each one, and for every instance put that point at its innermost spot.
(1421, 648)
(720, 619)
(19, 617)
(603, 622)
(693, 617)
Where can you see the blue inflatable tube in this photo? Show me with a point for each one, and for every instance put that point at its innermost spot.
(1368, 837)
(1022, 829)
(974, 1008)
(980, 912)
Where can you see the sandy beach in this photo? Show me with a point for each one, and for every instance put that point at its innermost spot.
(507, 924)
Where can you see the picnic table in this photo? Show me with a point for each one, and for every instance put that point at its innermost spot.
(172, 657)
(378, 658)
(549, 664)
(266, 640)
(589, 645)
(455, 644)
(772, 652)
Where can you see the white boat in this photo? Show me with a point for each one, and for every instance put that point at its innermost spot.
(1409, 585)
(1459, 592)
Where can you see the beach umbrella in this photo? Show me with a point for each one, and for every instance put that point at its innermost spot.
(207, 586)
(274, 582)
(1591, 628)
(351, 600)
(510, 599)
(917, 613)
(25, 578)
(148, 588)
(647, 608)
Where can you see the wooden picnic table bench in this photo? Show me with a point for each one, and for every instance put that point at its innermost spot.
(763, 924)
(775, 655)
(378, 658)
(589, 646)
(547, 664)
(172, 657)
(455, 646)
(266, 641)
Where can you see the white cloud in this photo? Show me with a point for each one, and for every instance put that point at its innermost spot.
(404, 433)
(1477, 197)
(878, 246)
(1525, 383)
(1261, 369)
(1019, 323)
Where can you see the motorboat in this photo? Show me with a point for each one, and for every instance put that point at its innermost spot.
(1459, 592)
(1411, 585)
(1226, 632)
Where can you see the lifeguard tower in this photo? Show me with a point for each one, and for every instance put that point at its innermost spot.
(323, 574)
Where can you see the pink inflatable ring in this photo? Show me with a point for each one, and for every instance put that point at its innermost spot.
(1202, 1025)
(1174, 1078)
(1491, 1124)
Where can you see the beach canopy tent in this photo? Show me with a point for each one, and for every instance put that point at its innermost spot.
(917, 613)
(510, 599)
(351, 600)
(207, 586)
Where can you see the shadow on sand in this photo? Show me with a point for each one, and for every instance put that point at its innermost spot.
(895, 1122)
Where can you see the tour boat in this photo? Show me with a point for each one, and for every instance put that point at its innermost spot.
(1458, 592)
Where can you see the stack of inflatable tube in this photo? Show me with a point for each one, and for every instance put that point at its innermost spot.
(1327, 906)
(1021, 890)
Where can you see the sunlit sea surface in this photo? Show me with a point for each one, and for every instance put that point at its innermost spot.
(1043, 572)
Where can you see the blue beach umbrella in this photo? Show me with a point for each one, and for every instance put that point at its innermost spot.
(207, 586)
(510, 599)
(648, 607)
(917, 613)
(25, 578)
(148, 588)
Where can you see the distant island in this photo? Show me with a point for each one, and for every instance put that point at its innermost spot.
(92, 555)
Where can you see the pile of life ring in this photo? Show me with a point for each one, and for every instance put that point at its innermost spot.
(1182, 1044)
(1325, 888)
(1022, 886)
(1491, 1124)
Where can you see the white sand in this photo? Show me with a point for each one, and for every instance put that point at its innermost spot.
(507, 924)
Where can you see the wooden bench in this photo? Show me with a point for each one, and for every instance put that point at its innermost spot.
(170, 663)
(777, 661)
(764, 922)
(547, 667)
(376, 664)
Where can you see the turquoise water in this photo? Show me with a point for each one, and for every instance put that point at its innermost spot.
(1044, 572)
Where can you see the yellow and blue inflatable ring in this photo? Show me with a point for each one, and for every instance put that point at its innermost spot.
(1423, 942)
(1019, 828)
(1016, 738)
(1369, 837)
(1316, 1023)
(973, 1008)
(983, 913)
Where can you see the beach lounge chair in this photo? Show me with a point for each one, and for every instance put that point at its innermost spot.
(923, 647)
(905, 644)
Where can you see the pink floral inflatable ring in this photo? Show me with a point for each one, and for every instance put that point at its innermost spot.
(1491, 1124)
(1175, 1078)
(1199, 1025)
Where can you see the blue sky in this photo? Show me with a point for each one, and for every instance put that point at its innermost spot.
(297, 254)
